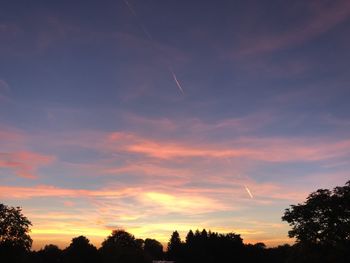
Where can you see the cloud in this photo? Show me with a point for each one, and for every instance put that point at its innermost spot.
(170, 202)
(10, 135)
(323, 16)
(263, 149)
(4, 86)
(24, 164)
(15, 157)
(11, 192)
(150, 184)
(241, 124)
(4, 89)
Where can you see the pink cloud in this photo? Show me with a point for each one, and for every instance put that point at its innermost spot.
(8, 134)
(263, 149)
(24, 164)
(14, 156)
(52, 191)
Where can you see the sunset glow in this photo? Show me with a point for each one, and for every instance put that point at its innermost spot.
(155, 116)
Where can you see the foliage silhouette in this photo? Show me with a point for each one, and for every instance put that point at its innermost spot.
(50, 254)
(203, 246)
(14, 227)
(321, 226)
(121, 246)
(15, 241)
(81, 251)
(153, 249)
(175, 247)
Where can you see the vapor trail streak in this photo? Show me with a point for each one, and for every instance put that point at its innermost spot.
(177, 82)
(133, 12)
(248, 191)
(146, 32)
(130, 8)
(149, 36)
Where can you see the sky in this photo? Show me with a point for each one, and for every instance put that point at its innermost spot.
(163, 115)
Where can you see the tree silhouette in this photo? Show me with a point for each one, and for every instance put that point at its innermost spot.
(80, 251)
(321, 226)
(15, 241)
(189, 237)
(153, 249)
(207, 246)
(121, 246)
(14, 227)
(174, 250)
(50, 254)
(323, 219)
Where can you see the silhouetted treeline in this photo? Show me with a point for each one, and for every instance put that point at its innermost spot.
(321, 226)
(122, 247)
(199, 246)
(209, 247)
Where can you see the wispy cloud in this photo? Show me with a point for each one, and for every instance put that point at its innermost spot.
(24, 164)
(4, 90)
(14, 156)
(52, 191)
(4, 86)
(264, 149)
(323, 16)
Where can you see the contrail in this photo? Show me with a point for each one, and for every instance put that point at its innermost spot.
(248, 191)
(149, 36)
(146, 32)
(133, 12)
(177, 82)
(130, 7)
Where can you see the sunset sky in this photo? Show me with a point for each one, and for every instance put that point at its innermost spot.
(162, 115)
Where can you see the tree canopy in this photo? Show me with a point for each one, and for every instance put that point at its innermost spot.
(174, 246)
(323, 219)
(121, 246)
(81, 250)
(153, 248)
(14, 228)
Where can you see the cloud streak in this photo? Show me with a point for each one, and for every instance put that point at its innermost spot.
(24, 164)
(264, 149)
(323, 16)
